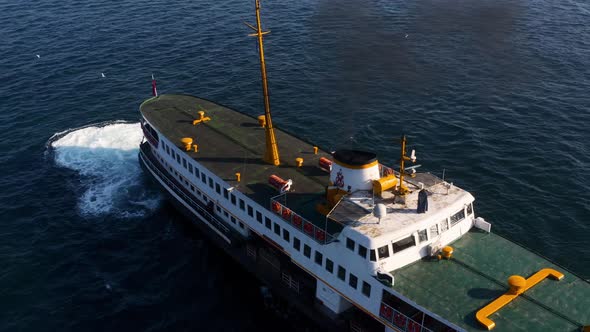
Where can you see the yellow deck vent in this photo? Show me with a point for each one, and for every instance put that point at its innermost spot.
(299, 162)
(383, 184)
(202, 118)
(518, 285)
(188, 142)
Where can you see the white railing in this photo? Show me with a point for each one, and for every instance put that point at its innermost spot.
(303, 225)
(400, 320)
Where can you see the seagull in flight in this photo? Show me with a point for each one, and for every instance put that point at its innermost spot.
(102, 74)
(38, 56)
(407, 35)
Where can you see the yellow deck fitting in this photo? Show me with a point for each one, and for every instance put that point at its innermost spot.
(518, 285)
(262, 120)
(202, 118)
(187, 141)
(447, 252)
(315, 150)
(196, 147)
(299, 162)
(238, 177)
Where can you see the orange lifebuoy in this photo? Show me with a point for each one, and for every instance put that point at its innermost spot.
(320, 235)
(297, 220)
(308, 228)
(286, 214)
(276, 207)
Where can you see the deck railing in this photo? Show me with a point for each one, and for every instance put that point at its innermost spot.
(400, 320)
(303, 225)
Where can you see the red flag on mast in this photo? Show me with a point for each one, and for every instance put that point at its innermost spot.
(154, 88)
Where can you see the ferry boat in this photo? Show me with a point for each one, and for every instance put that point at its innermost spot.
(351, 243)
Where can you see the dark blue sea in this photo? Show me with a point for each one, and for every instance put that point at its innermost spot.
(494, 92)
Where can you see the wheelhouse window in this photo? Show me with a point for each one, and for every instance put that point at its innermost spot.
(196, 172)
(457, 217)
(203, 178)
(267, 222)
(403, 244)
(178, 158)
(184, 163)
(225, 193)
(329, 265)
(383, 252)
(362, 251)
(319, 258)
(353, 281)
(341, 273)
(277, 229)
(285, 235)
(306, 251)
(259, 216)
(349, 243)
(190, 168)
(233, 199)
(469, 209)
(242, 205)
(250, 211)
(372, 256)
(167, 150)
(422, 236)
(211, 183)
(218, 188)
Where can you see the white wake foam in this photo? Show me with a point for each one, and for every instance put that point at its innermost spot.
(106, 158)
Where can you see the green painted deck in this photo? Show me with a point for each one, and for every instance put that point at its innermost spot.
(233, 142)
(478, 274)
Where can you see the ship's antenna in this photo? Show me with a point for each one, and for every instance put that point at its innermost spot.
(271, 155)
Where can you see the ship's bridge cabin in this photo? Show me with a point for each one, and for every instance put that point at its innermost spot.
(388, 228)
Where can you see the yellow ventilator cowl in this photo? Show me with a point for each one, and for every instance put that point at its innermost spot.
(447, 252)
(383, 184)
(299, 162)
(187, 141)
(517, 284)
(261, 121)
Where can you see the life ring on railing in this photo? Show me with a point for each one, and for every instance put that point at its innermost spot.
(399, 319)
(297, 220)
(276, 207)
(287, 214)
(413, 326)
(388, 171)
(320, 235)
(386, 312)
(308, 228)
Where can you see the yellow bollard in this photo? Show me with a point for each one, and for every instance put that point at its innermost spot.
(238, 177)
(196, 147)
(299, 162)
(315, 150)
(447, 252)
(261, 121)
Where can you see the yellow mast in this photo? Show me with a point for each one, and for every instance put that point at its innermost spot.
(271, 155)
(403, 189)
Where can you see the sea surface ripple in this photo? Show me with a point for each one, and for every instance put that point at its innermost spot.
(496, 93)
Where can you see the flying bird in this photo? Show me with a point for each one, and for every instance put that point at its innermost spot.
(102, 74)
(38, 56)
